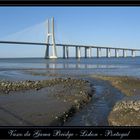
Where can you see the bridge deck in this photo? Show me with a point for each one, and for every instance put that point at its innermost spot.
(67, 45)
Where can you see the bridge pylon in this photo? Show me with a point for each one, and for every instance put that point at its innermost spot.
(50, 34)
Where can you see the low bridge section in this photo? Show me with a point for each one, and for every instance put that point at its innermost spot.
(87, 49)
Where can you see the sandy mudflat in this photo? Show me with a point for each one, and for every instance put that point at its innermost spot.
(50, 104)
(130, 86)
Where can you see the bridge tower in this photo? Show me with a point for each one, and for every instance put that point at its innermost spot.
(50, 33)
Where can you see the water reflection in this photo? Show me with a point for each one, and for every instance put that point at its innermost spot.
(81, 66)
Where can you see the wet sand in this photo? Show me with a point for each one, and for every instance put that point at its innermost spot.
(129, 86)
(53, 102)
(46, 103)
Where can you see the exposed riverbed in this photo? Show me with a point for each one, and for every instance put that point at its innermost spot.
(26, 83)
(97, 111)
(82, 100)
(46, 102)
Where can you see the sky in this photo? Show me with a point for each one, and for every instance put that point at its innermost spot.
(101, 26)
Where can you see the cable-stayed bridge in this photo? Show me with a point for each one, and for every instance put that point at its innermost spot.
(87, 49)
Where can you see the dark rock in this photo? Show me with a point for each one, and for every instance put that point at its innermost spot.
(126, 112)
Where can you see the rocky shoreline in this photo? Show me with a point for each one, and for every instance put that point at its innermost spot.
(127, 111)
(43, 102)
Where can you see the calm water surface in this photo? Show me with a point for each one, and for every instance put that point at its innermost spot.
(109, 66)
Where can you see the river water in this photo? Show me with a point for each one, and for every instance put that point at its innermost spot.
(96, 112)
(10, 67)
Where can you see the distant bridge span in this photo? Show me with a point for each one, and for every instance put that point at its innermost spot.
(50, 33)
(66, 46)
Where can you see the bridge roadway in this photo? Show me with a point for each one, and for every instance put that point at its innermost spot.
(66, 46)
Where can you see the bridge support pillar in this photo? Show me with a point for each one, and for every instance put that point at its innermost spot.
(116, 53)
(133, 53)
(78, 52)
(47, 51)
(51, 34)
(98, 52)
(67, 52)
(85, 52)
(108, 53)
(89, 52)
(124, 53)
(64, 51)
